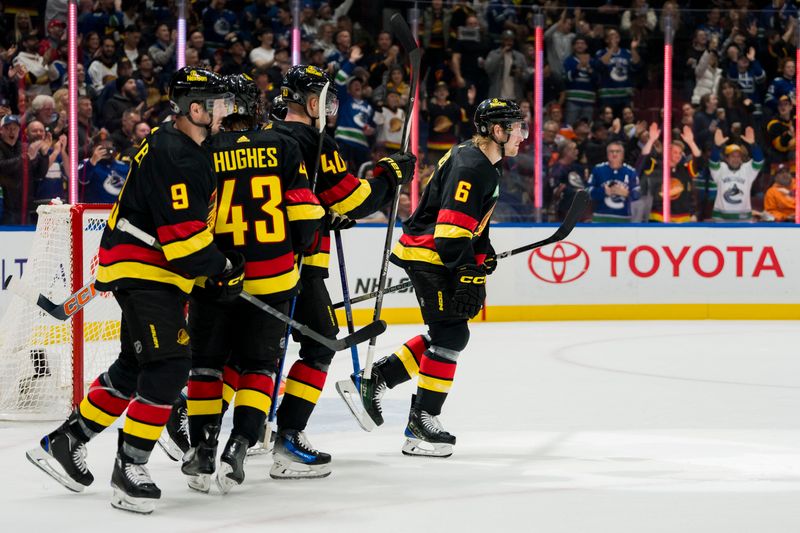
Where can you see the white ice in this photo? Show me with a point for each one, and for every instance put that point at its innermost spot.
(619, 427)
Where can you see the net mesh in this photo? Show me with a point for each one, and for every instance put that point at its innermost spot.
(36, 350)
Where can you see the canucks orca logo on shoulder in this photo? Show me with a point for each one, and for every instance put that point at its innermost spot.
(733, 195)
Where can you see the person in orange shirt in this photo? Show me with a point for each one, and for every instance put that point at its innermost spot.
(779, 201)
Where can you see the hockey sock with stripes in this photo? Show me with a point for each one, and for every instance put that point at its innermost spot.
(203, 401)
(251, 405)
(403, 364)
(436, 372)
(230, 380)
(303, 387)
(143, 425)
(100, 407)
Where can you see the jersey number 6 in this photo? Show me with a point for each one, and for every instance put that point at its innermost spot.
(462, 191)
(230, 218)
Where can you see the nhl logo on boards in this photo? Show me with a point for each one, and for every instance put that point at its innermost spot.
(563, 263)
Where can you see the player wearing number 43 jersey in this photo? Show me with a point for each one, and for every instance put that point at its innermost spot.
(170, 193)
(346, 198)
(445, 250)
(268, 213)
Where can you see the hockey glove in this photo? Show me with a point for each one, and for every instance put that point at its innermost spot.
(398, 167)
(490, 263)
(228, 285)
(339, 222)
(470, 289)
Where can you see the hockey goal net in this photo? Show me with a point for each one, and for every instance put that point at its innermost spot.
(46, 364)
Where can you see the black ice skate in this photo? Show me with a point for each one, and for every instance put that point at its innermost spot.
(295, 458)
(363, 397)
(134, 489)
(231, 464)
(266, 440)
(425, 436)
(175, 440)
(199, 463)
(62, 456)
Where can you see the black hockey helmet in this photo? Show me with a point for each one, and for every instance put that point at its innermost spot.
(301, 80)
(247, 97)
(496, 111)
(191, 84)
(278, 110)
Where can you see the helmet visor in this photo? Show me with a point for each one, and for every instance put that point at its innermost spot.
(331, 105)
(519, 128)
(221, 106)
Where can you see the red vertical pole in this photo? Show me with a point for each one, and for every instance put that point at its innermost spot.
(797, 130)
(667, 135)
(295, 6)
(23, 135)
(180, 49)
(72, 117)
(414, 19)
(538, 97)
(76, 222)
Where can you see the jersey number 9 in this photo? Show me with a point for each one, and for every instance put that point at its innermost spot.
(230, 218)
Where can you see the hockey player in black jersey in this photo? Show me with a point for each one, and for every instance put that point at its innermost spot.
(267, 212)
(170, 193)
(345, 198)
(445, 250)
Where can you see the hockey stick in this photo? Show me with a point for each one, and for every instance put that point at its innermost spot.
(348, 310)
(323, 118)
(403, 33)
(579, 205)
(337, 345)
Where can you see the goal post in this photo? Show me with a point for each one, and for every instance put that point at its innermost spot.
(45, 363)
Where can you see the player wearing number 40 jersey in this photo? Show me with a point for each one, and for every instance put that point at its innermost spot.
(345, 198)
(170, 193)
(268, 213)
(446, 251)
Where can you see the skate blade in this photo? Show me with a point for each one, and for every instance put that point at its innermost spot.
(47, 464)
(352, 397)
(172, 450)
(199, 482)
(421, 448)
(263, 447)
(286, 469)
(224, 482)
(123, 501)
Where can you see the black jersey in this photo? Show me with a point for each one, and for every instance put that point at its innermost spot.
(450, 226)
(337, 189)
(170, 193)
(265, 210)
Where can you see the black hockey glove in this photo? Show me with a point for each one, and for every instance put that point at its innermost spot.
(470, 289)
(228, 285)
(490, 263)
(398, 167)
(339, 222)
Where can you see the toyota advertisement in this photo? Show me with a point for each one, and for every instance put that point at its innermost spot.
(595, 272)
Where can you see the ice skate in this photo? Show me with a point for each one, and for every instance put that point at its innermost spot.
(62, 456)
(134, 489)
(363, 397)
(231, 464)
(295, 458)
(425, 436)
(199, 463)
(175, 440)
(266, 440)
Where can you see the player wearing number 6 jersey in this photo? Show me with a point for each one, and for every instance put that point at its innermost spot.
(346, 198)
(267, 212)
(170, 193)
(445, 250)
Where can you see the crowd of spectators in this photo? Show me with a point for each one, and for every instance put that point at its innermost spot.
(733, 93)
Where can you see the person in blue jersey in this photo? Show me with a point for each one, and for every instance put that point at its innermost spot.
(781, 86)
(613, 185)
(616, 83)
(354, 123)
(102, 176)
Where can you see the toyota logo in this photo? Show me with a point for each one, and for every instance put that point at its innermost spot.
(563, 263)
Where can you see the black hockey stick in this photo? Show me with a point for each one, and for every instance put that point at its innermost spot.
(579, 205)
(403, 33)
(369, 331)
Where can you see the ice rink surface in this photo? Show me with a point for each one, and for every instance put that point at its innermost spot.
(619, 427)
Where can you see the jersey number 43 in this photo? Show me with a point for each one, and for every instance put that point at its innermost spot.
(230, 217)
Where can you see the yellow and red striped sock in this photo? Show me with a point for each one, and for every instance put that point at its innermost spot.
(303, 387)
(252, 403)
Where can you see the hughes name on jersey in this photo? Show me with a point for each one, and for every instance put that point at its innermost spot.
(170, 193)
(336, 188)
(450, 227)
(266, 209)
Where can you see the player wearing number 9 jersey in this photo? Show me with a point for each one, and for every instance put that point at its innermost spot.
(170, 194)
(266, 211)
(445, 250)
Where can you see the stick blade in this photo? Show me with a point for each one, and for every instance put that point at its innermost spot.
(364, 334)
(400, 29)
(579, 206)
